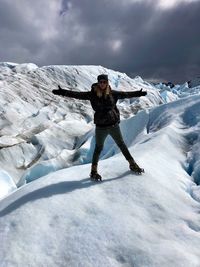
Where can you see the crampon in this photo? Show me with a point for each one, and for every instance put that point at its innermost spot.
(135, 168)
(94, 176)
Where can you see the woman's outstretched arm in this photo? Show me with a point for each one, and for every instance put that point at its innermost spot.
(129, 94)
(73, 94)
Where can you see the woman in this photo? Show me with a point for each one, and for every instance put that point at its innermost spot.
(106, 117)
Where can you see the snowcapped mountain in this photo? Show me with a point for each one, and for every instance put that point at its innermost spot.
(60, 218)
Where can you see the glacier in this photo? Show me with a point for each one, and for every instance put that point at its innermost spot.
(51, 214)
(32, 117)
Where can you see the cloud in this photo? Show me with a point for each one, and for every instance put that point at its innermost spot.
(26, 27)
(147, 38)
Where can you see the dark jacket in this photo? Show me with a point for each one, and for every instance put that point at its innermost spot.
(106, 111)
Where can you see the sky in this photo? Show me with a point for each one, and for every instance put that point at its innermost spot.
(158, 40)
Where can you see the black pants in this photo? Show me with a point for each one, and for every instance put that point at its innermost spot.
(100, 135)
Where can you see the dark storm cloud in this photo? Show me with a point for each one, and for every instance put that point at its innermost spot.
(18, 38)
(135, 37)
(172, 46)
(156, 43)
(24, 27)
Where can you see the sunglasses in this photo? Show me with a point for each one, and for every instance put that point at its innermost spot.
(103, 82)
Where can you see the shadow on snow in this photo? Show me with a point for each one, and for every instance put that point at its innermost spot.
(55, 189)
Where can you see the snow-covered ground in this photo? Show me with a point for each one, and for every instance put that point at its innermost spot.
(61, 218)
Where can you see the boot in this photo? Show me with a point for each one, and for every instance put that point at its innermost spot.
(94, 174)
(134, 167)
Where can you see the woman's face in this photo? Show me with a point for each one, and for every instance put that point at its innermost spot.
(103, 84)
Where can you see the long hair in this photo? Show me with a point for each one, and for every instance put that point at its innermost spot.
(101, 92)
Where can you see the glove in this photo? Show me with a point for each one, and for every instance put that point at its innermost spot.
(59, 91)
(143, 93)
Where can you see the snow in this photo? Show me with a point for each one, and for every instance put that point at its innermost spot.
(126, 220)
(24, 68)
(57, 216)
(168, 96)
(6, 184)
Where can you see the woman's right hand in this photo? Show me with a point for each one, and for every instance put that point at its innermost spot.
(143, 93)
